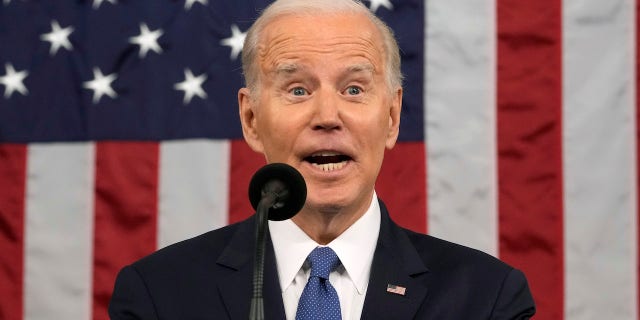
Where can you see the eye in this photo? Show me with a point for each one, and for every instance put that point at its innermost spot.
(298, 91)
(354, 91)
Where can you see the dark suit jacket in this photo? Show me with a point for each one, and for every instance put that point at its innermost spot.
(209, 277)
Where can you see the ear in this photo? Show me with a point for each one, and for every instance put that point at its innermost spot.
(394, 119)
(248, 119)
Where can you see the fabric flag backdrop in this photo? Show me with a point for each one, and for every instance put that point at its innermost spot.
(119, 135)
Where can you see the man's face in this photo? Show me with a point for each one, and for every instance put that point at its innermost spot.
(323, 106)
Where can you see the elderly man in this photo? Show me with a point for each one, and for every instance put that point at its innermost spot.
(323, 94)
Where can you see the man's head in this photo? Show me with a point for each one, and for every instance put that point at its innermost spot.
(313, 7)
(323, 95)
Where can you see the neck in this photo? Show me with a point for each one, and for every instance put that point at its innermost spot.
(325, 225)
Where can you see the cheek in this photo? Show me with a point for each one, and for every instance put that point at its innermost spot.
(279, 134)
(373, 129)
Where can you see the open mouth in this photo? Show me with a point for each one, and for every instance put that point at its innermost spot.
(328, 161)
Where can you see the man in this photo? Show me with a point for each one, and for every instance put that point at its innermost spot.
(323, 94)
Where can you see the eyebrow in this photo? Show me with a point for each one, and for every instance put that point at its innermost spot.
(287, 68)
(361, 67)
(292, 68)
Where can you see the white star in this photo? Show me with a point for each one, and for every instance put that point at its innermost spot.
(58, 37)
(101, 85)
(375, 4)
(236, 41)
(97, 3)
(12, 81)
(189, 3)
(191, 86)
(147, 40)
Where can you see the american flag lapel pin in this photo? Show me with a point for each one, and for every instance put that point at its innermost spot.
(392, 288)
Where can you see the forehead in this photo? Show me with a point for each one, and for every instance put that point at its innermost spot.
(320, 38)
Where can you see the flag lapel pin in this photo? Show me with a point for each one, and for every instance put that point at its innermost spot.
(392, 288)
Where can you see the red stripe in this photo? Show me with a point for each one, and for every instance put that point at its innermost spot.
(402, 185)
(244, 163)
(638, 137)
(529, 146)
(13, 172)
(126, 194)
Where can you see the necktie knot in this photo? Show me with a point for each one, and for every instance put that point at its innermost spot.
(323, 260)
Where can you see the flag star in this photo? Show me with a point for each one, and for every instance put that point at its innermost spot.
(101, 85)
(147, 40)
(189, 3)
(13, 81)
(58, 37)
(97, 3)
(375, 4)
(236, 41)
(192, 86)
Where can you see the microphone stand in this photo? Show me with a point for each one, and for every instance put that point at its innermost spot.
(280, 187)
(267, 201)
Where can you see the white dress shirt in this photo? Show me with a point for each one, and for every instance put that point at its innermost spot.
(355, 248)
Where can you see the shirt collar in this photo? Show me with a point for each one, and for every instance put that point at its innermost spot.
(355, 247)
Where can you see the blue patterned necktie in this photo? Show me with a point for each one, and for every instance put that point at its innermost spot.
(319, 300)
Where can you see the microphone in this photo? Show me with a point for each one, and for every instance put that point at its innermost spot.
(277, 192)
(285, 184)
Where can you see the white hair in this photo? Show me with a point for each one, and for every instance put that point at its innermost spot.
(280, 8)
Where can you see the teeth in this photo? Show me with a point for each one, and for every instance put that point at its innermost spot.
(325, 154)
(330, 166)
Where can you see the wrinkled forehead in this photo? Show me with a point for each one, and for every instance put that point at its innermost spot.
(324, 37)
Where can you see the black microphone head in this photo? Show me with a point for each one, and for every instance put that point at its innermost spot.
(289, 180)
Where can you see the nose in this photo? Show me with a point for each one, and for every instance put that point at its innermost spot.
(326, 111)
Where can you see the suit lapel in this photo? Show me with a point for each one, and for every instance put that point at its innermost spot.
(236, 288)
(395, 262)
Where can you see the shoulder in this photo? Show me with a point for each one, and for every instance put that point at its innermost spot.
(202, 250)
(443, 256)
(437, 255)
(182, 276)
(476, 282)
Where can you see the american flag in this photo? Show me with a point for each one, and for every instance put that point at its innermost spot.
(391, 288)
(119, 135)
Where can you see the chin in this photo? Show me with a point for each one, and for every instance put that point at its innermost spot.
(329, 200)
(328, 209)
